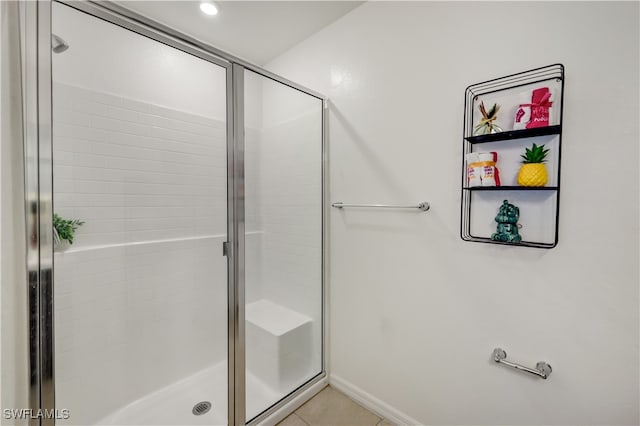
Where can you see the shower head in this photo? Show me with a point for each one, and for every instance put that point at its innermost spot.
(58, 45)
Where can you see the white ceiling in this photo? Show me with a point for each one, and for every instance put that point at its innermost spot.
(256, 31)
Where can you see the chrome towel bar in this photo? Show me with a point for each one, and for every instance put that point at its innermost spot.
(542, 368)
(423, 206)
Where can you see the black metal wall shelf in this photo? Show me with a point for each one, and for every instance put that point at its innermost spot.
(515, 134)
(520, 244)
(539, 206)
(512, 188)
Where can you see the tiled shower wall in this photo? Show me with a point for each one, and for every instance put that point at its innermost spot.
(141, 294)
(137, 171)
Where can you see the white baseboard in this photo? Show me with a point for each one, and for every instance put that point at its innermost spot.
(372, 403)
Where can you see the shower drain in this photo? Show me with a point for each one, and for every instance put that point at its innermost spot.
(201, 408)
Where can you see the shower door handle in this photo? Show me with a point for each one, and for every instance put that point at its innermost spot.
(225, 248)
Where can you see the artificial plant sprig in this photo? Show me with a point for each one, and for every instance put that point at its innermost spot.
(487, 124)
(63, 229)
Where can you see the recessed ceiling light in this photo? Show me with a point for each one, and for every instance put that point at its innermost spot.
(209, 8)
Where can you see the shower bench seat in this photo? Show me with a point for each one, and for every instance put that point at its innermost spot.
(278, 342)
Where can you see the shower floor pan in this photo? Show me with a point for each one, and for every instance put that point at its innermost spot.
(173, 405)
(278, 361)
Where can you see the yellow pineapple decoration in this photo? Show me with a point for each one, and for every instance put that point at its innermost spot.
(533, 172)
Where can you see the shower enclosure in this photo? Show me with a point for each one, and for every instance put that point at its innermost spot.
(193, 290)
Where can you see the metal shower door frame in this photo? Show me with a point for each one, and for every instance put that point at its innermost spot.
(36, 74)
(39, 197)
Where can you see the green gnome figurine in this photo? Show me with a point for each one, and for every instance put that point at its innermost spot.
(507, 218)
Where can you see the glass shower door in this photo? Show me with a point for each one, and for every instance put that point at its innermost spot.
(140, 158)
(283, 240)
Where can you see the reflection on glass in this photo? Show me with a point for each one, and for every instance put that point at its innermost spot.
(139, 133)
(283, 180)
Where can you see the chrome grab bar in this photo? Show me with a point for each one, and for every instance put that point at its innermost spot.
(542, 368)
(423, 206)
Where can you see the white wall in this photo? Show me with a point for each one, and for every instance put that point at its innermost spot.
(415, 312)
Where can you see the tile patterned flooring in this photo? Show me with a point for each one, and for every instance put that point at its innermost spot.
(333, 408)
